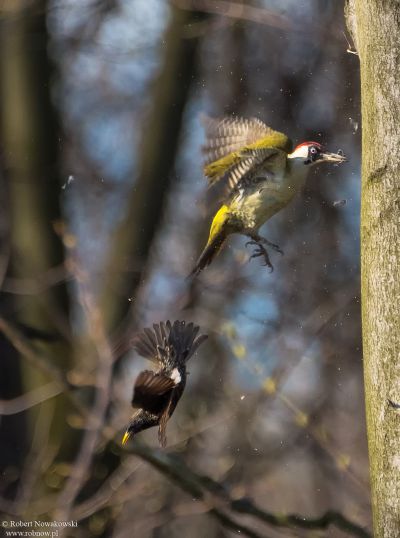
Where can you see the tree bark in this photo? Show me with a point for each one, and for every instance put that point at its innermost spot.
(375, 27)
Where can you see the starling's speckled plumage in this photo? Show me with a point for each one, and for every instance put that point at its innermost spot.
(156, 393)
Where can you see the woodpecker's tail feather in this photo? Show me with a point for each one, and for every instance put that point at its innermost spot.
(218, 233)
(209, 253)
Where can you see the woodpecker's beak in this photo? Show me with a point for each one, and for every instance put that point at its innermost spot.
(338, 157)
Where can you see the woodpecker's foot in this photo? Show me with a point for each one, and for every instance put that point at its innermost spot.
(261, 251)
(272, 245)
(258, 239)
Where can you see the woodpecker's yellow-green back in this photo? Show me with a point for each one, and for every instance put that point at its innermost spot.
(234, 146)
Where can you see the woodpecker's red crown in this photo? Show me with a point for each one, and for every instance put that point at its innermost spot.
(309, 143)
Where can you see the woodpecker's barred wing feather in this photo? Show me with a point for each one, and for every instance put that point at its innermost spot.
(227, 135)
(236, 146)
(250, 162)
(148, 385)
(165, 339)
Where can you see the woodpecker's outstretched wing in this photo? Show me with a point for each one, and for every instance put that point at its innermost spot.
(251, 162)
(168, 342)
(235, 146)
(230, 134)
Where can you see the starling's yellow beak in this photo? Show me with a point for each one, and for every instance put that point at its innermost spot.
(126, 437)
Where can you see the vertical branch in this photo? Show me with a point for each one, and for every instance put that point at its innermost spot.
(29, 137)
(160, 138)
(95, 422)
(29, 133)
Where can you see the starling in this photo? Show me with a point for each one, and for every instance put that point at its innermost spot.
(156, 393)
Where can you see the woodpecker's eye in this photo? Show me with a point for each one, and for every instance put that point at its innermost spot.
(314, 154)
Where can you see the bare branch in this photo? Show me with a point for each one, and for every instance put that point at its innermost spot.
(95, 422)
(30, 399)
(245, 506)
(237, 10)
(24, 346)
(26, 349)
(213, 493)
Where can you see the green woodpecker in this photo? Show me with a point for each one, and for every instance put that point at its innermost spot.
(262, 175)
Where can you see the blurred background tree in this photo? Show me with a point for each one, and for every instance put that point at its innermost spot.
(105, 210)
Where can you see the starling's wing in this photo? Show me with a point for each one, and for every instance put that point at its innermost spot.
(145, 343)
(149, 390)
(235, 146)
(151, 343)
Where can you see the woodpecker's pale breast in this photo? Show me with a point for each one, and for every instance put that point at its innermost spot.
(267, 191)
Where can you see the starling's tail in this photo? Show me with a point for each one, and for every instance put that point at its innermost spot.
(218, 234)
(165, 339)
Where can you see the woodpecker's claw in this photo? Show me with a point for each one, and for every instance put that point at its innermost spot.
(272, 245)
(261, 251)
(266, 242)
(275, 247)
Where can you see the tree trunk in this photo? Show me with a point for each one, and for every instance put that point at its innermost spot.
(29, 138)
(375, 26)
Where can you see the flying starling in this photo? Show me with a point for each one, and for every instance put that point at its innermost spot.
(156, 393)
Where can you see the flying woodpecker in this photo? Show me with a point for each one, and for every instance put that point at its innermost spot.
(156, 393)
(262, 174)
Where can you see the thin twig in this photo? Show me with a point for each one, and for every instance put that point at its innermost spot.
(94, 426)
(103, 495)
(28, 351)
(30, 399)
(24, 347)
(239, 11)
(34, 286)
(35, 459)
